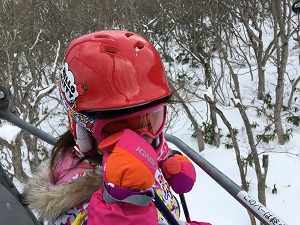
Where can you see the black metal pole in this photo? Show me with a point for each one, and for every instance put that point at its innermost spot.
(160, 205)
(12, 118)
(185, 208)
(8, 116)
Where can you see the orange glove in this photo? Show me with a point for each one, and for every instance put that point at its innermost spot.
(131, 163)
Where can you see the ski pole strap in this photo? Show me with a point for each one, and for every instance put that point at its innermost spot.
(160, 205)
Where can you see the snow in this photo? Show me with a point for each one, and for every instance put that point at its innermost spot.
(208, 201)
(9, 132)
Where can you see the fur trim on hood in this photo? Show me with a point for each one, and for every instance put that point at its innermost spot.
(51, 200)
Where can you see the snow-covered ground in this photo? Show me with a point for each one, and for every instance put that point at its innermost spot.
(208, 201)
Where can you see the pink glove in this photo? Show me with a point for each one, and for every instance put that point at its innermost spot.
(180, 173)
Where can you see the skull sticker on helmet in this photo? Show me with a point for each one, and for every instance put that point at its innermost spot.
(68, 86)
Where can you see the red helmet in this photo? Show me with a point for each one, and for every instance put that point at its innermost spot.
(112, 69)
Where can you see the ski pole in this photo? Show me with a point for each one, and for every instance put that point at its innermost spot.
(185, 208)
(160, 205)
(173, 166)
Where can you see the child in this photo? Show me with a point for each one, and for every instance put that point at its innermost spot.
(108, 166)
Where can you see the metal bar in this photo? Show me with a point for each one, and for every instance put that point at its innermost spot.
(254, 206)
(8, 116)
(12, 118)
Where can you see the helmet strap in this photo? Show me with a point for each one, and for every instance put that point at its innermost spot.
(161, 147)
(82, 137)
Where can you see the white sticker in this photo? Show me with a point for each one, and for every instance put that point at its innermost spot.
(68, 85)
(261, 210)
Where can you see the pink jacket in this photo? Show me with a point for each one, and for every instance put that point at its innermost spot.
(119, 213)
(73, 185)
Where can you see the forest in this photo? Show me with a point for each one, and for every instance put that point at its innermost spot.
(208, 48)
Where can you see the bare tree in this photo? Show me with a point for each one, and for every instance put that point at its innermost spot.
(253, 15)
(34, 35)
(282, 13)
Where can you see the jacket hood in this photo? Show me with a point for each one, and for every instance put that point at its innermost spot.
(50, 200)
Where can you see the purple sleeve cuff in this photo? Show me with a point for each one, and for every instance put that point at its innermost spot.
(116, 194)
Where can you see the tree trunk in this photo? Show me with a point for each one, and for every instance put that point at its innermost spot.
(282, 26)
(261, 178)
(277, 110)
(237, 151)
(214, 123)
(261, 83)
(17, 159)
(199, 135)
(293, 89)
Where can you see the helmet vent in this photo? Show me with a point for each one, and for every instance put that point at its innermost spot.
(138, 46)
(110, 49)
(102, 36)
(128, 34)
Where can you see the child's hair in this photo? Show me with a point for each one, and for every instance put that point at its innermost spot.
(62, 145)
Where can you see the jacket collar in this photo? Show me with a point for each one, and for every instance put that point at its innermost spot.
(50, 200)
